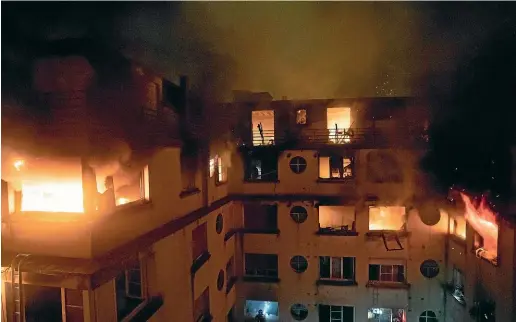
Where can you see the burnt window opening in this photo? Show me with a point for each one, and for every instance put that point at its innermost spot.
(199, 242)
(258, 217)
(337, 268)
(129, 290)
(301, 116)
(335, 313)
(336, 167)
(202, 307)
(337, 219)
(261, 168)
(385, 273)
(261, 265)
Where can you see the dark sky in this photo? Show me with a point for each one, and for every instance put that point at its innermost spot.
(293, 49)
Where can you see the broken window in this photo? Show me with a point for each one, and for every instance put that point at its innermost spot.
(301, 116)
(386, 314)
(335, 167)
(261, 167)
(199, 242)
(386, 273)
(261, 265)
(336, 219)
(202, 306)
(339, 124)
(263, 127)
(339, 268)
(335, 313)
(387, 218)
(458, 285)
(260, 217)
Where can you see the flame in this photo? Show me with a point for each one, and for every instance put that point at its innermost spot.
(386, 218)
(122, 201)
(483, 220)
(18, 164)
(59, 196)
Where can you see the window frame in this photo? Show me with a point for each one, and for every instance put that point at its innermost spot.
(297, 117)
(393, 274)
(221, 171)
(342, 278)
(301, 165)
(427, 317)
(351, 158)
(295, 259)
(297, 216)
(275, 271)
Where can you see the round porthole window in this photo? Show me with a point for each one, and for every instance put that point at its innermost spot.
(298, 214)
(297, 164)
(429, 268)
(299, 312)
(299, 264)
(219, 223)
(428, 316)
(220, 280)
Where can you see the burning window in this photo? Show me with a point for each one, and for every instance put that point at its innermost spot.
(136, 190)
(387, 218)
(458, 227)
(335, 167)
(263, 127)
(385, 314)
(222, 171)
(484, 222)
(336, 218)
(338, 124)
(386, 273)
(301, 116)
(339, 268)
(212, 167)
(261, 168)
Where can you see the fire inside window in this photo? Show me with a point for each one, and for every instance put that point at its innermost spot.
(301, 116)
(338, 120)
(458, 227)
(387, 218)
(335, 167)
(337, 218)
(221, 170)
(263, 127)
(212, 167)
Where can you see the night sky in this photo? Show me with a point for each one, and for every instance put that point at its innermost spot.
(460, 55)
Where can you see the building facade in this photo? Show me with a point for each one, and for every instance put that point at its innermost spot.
(311, 210)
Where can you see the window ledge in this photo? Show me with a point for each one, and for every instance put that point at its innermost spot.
(221, 183)
(133, 205)
(343, 233)
(189, 192)
(260, 279)
(335, 180)
(230, 284)
(147, 310)
(230, 234)
(388, 285)
(380, 233)
(266, 231)
(336, 282)
(261, 181)
(199, 262)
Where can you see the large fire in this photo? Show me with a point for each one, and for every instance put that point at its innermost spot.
(483, 221)
(386, 218)
(58, 196)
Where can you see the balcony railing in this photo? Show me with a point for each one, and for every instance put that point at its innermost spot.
(353, 136)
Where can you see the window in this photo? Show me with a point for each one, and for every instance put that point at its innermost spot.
(129, 290)
(212, 167)
(386, 315)
(73, 305)
(386, 273)
(260, 217)
(299, 264)
(202, 307)
(263, 127)
(336, 219)
(301, 116)
(333, 313)
(262, 167)
(135, 190)
(428, 316)
(298, 165)
(261, 265)
(338, 121)
(458, 285)
(299, 312)
(219, 223)
(458, 227)
(298, 214)
(335, 167)
(339, 268)
(220, 280)
(267, 309)
(387, 218)
(429, 268)
(199, 242)
(222, 173)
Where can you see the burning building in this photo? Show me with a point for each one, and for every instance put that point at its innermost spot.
(312, 210)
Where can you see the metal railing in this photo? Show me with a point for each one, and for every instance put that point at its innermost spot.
(352, 136)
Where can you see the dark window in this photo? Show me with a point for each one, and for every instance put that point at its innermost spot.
(387, 273)
(219, 223)
(42, 303)
(429, 268)
(261, 167)
(301, 116)
(257, 216)
(298, 214)
(298, 164)
(332, 313)
(129, 291)
(189, 165)
(341, 268)
(299, 312)
(199, 241)
(261, 265)
(202, 306)
(220, 280)
(428, 316)
(299, 264)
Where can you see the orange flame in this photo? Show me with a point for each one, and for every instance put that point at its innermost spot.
(60, 196)
(483, 220)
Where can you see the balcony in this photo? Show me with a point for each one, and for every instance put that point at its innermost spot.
(353, 137)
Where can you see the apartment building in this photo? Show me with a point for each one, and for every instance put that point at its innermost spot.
(312, 210)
